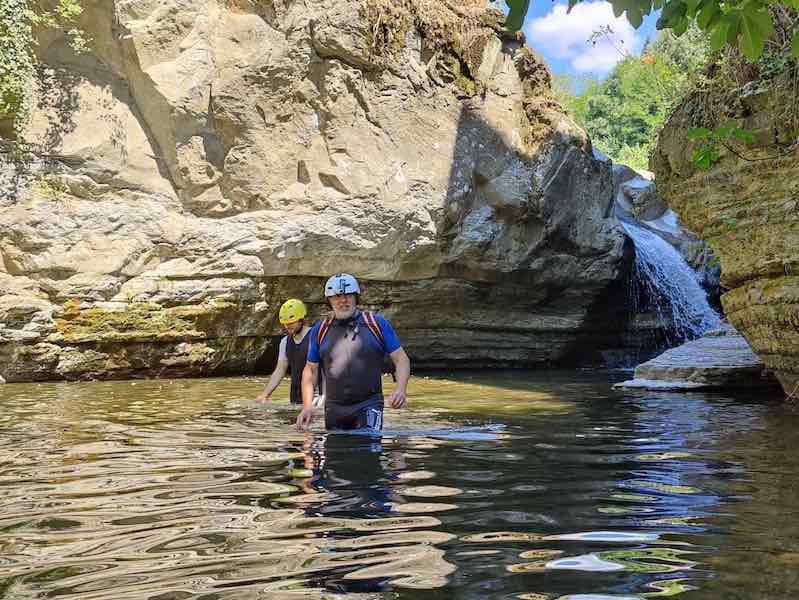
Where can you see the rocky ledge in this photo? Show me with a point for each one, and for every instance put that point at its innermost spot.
(721, 359)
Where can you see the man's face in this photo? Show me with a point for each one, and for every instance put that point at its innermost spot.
(293, 328)
(343, 305)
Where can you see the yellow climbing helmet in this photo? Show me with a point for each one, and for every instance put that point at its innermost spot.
(292, 310)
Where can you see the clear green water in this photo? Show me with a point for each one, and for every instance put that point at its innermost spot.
(507, 485)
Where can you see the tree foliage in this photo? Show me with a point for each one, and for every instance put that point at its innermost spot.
(744, 24)
(623, 113)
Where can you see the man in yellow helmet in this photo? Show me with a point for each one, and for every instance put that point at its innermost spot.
(292, 353)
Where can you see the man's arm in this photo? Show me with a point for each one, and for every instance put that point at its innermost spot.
(309, 375)
(279, 373)
(402, 364)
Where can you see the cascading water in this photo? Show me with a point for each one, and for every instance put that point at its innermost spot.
(670, 284)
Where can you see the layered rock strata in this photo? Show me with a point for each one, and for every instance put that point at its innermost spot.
(747, 208)
(207, 159)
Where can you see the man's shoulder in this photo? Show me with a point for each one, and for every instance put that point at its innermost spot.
(381, 320)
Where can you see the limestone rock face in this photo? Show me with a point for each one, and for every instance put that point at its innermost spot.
(747, 211)
(207, 159)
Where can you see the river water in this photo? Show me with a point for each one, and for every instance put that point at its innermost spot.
(533, 486)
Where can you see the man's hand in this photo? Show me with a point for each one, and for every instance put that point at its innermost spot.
(262, 397)
(397, 398)
(304, 418)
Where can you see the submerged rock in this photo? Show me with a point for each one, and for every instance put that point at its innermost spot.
(720, 359)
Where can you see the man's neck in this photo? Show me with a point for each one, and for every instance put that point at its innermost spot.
(298, 337)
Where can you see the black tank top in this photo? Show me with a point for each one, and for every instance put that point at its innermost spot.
(297, 355)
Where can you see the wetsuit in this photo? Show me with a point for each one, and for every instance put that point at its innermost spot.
(351, 358)
(296, 354)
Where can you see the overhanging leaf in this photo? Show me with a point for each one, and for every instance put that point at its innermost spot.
(516, 14)
(619, 6)
(680, 26)
(733, 27)
(692, 6)
(705, 16)
(718, 35)
(795, 45)
(634, 16)
(756, 27)
(672, 11)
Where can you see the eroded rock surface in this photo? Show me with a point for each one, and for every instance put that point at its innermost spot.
(205, 160)
(747, 210)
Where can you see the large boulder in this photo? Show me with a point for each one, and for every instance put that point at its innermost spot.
(205, 160)
(745, 207)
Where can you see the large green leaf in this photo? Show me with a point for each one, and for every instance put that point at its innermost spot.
(795, 44)
(718, 35)
(680, 26)
(692, 6)
(733, 20)
(516, 14)
(635, 16)
(705, 156)
(619, 6)
(673, 11)
(756, 27)
(709, 11)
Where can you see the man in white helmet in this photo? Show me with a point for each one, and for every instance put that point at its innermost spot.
(350, 348)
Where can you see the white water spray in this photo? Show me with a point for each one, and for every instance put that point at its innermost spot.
(665, 275)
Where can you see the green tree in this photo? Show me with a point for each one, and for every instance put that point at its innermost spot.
(623, 114)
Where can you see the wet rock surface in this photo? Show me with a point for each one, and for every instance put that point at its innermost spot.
(720, 359)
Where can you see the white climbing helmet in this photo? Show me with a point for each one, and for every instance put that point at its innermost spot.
(341, 283)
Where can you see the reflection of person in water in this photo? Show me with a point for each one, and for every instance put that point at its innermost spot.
(351, 467)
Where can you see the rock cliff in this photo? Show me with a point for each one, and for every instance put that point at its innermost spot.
(207, 159)
(745, 207)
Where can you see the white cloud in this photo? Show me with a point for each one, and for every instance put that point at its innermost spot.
(565, 36)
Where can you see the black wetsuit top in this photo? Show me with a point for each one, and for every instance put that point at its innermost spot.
(352, 361)
(297, 355)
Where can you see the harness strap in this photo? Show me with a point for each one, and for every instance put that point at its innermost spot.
(374, 327)
(371, 323)
(323, 330)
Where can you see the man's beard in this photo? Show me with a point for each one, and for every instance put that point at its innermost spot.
(345, 314)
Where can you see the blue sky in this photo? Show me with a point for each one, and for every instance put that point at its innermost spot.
(562, 39)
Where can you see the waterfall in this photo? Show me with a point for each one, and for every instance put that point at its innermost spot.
(670, 283)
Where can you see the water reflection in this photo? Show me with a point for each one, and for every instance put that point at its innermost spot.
(538, 486)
